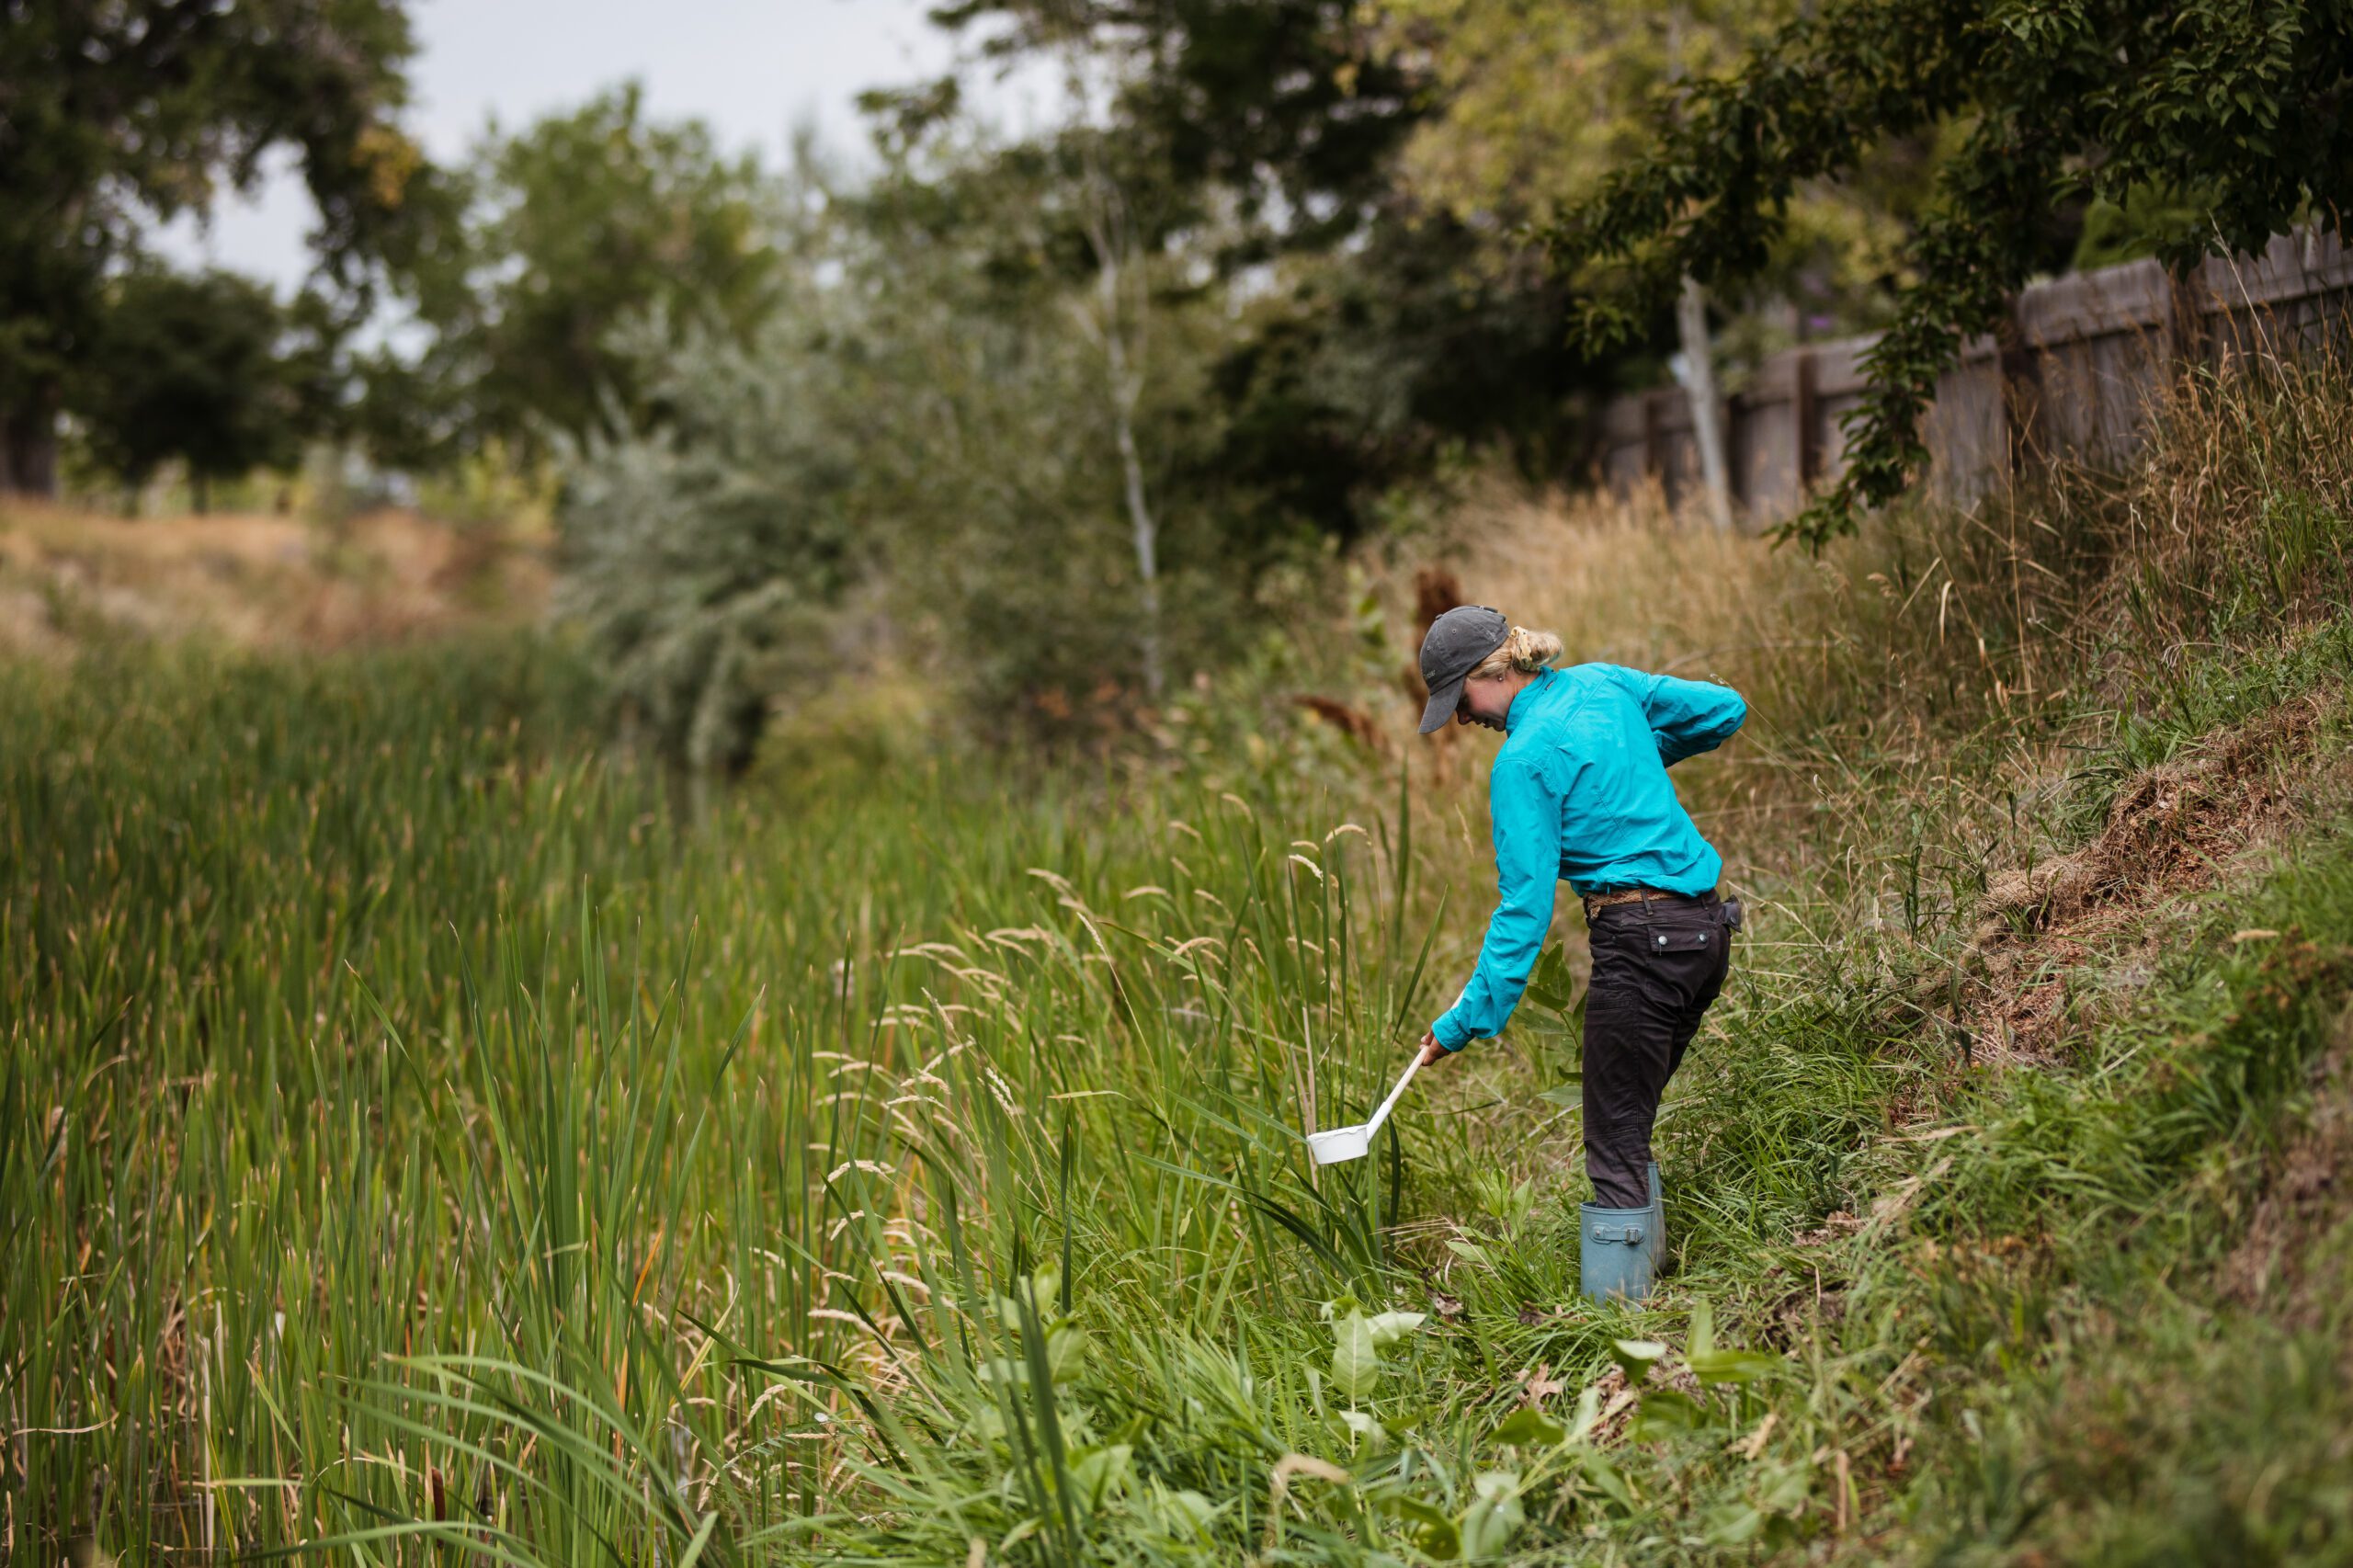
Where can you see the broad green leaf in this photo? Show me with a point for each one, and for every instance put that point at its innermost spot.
(1665, 1412)
(1065, 1349)
(1634, 1356)
(1733, 1366)
(1366, 1429)
(1527, 1425)
(1550, 985)
(1042, 1289)
(1785, 1488)
(1356, 1361)
(1603, 1476)
(1100, 1474)
(1432, 1531)
(1588, 1415)
(1388, 1328)
(1489, 1524)
(1568, 1096)
(1703, 1329)
(1182, 1514)
(986, 1425)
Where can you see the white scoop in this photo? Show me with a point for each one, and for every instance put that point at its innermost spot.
(1355, 1142)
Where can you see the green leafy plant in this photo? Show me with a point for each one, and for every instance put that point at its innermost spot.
(1357, 1340)
(2232, 104)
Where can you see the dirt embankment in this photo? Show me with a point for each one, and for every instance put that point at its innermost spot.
(2173, 830)
(68, 578)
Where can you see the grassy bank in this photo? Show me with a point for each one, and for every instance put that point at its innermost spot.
(416, 1136)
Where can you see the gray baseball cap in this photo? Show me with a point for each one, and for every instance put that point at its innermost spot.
(1456, 642)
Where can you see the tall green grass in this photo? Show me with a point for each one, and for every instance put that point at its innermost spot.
(360, 1019)
(419, 1141)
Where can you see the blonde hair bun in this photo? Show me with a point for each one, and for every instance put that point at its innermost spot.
(1521, 649)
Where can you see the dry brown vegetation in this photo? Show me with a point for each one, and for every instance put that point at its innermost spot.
(253, 580)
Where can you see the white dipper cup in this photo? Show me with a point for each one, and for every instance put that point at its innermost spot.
(1355, 1142)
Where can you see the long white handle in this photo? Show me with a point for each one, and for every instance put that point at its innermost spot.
(1382, 1114)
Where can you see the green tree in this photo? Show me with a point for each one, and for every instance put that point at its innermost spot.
(1536, 104)
(1367, 345)
(1285, 107)
(2235, 110)
(705, 560)
(1366, 367)
(192, 368)
(115, 116)
(920, 446)
(1119, 220)
(580, 224)
(1541, 101)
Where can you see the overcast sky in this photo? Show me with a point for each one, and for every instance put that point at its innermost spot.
(752, 68)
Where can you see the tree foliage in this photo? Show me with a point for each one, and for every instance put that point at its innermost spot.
(579, 223)
(1204, 291)
(1005, 428)
(1536, 104)
(119, 114)
(1369, 343)
(1288, 108)
(1369, 367)
(702, 560)
(918, 449)
(2241, 106)
(193, 368)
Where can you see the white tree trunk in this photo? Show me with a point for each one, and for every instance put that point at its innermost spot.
(1699, 381)
(1127, 384)
(1122, 312)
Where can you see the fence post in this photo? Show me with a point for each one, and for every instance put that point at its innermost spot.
(2185, 325)
(2021, 372)
(1805, 407)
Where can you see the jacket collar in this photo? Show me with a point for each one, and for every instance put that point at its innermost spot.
(1512, 715)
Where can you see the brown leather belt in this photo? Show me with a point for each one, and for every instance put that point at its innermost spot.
(1594, 901)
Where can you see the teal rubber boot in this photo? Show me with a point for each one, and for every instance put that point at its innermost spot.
(1613, 1252)
(1657, 1240)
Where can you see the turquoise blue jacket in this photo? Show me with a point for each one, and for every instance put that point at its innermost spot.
(1580, 790)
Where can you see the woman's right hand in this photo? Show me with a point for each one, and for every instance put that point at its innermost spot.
(1431, 1050)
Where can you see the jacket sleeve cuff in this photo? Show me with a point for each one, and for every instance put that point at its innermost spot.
(1450, 1034)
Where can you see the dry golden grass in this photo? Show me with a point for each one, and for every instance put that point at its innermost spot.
(251, 580)
(1626, 581)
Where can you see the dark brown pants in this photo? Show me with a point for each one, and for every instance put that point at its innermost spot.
(1656, 965)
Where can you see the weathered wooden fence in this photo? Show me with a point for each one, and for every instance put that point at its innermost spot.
(2073, 375)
